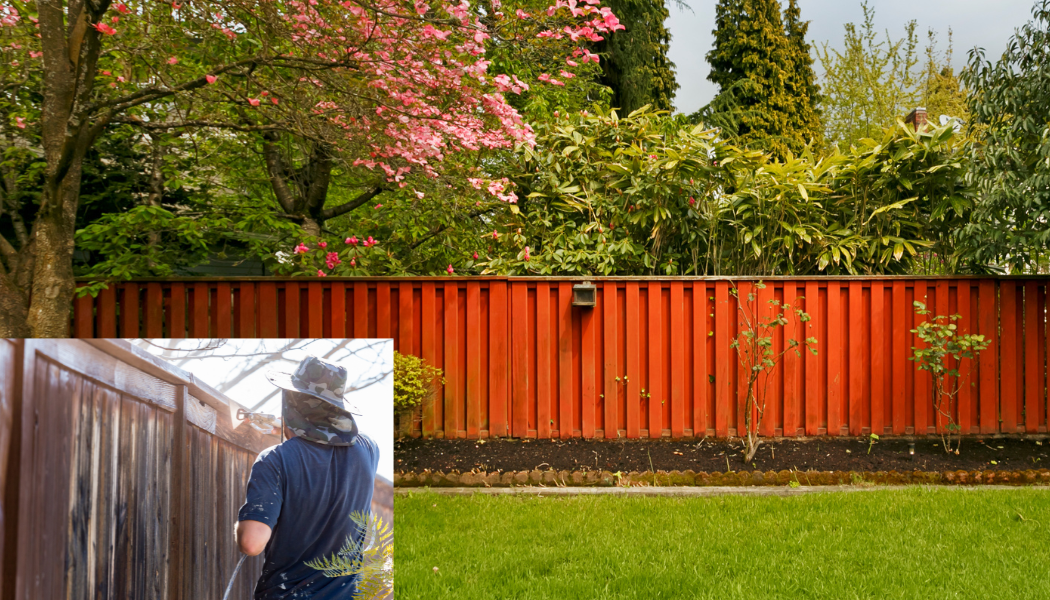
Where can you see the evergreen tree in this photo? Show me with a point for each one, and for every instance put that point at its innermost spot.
(634, 62)
(801, 84)
(752, 57)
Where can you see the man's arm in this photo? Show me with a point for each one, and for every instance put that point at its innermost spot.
(252, 537)
(262, 505)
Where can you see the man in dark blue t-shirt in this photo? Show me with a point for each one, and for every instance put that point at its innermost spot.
(301, 492)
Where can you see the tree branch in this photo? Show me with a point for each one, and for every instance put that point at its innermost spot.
(185, 124)
(342, 209)
(437, 230)
(278, 177)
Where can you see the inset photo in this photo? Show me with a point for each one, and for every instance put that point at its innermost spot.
(232, 469)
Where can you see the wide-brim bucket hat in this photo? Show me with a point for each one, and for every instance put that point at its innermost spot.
(317, 411)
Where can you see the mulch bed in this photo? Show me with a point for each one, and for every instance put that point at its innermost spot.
(814, 454)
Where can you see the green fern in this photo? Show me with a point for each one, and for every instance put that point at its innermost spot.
(372, 560)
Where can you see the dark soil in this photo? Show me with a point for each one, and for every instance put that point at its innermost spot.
(820, 454)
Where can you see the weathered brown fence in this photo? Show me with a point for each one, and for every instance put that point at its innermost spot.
(651, 359)
(120, 474)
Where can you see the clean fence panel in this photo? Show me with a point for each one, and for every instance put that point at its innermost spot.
(652, 359)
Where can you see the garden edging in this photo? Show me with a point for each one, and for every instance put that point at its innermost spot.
(731, 478)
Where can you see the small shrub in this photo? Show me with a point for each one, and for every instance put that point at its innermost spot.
(415, 383)
(943, 341)
(754, 348)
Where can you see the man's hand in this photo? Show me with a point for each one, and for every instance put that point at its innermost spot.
(252, 537)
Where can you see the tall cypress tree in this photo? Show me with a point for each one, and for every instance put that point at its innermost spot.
(801, 84)
(634, 61)
(754, 60)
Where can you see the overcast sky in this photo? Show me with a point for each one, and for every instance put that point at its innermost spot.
(364, 359)
(973, 23)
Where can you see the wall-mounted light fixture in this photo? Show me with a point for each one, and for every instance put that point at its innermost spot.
(584, 294)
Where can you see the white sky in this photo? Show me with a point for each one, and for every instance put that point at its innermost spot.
(364, 359)
(973, 23)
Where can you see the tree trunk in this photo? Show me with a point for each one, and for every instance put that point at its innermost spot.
(14, 321)
(52, 247)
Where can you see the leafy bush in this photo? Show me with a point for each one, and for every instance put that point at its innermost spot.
(648, 194)
(415, 382)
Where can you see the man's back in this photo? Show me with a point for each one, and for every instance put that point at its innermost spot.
(305, 492)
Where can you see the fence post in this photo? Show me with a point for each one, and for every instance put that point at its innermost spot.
(180, 486)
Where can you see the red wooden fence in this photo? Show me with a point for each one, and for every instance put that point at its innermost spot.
(652, 359)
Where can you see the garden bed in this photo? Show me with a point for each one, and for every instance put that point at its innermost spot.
(815, 461)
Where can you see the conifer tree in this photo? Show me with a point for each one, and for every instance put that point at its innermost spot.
(801, 84)
(634, 62)
(752, 57)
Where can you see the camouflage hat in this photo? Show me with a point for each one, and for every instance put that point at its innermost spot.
(317, 410)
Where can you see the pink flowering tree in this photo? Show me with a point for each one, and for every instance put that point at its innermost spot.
(390, 89)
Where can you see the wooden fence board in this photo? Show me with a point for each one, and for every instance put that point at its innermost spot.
(474, 353)
(611, 387)
(544, 384)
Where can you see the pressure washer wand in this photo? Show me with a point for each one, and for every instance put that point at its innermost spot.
(229, 586)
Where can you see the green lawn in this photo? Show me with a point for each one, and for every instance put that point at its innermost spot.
(915, 543)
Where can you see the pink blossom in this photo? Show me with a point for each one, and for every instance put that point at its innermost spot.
(495, 234)
(352, 240)
(103, 28)
(321, 273)
(120, 78)
(370, 242)
(20, 122)
(571, 62)
(378, 206)
(475, 255)
(175, 6)
(253, 101)
(301, 249)
(122, 8)
(692, 201)
(332, 259)
(450, 270)
(521, 14)
(526, 253)
(273, 99)
(420, 195)
(115, 20)
(353, 262)
(173, 60)
(322, 244)
(210, 78)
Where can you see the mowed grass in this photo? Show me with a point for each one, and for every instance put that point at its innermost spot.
(914, 543)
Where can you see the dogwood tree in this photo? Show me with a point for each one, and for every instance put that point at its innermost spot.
(398, 85)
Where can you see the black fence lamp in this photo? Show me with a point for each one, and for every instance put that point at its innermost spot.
(584, 294)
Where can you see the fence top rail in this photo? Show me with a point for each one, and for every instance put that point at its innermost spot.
(161, 369)
(332, 278)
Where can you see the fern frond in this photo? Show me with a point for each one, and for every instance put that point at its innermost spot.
(371, 560)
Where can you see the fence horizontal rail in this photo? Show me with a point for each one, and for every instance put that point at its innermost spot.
(651, 359)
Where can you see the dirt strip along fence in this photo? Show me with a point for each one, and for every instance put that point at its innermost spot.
(120, 476)
(651, 359)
